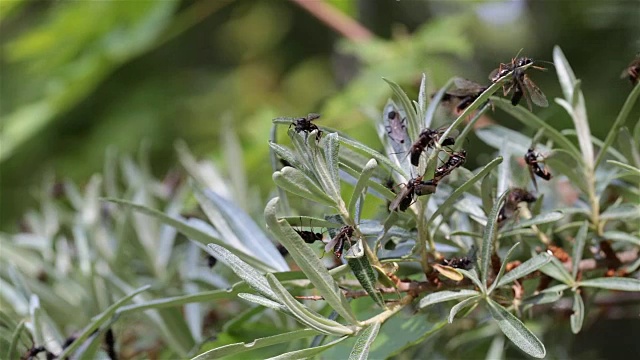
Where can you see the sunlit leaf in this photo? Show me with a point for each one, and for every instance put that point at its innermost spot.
(445, 295)
(360, 350)
(578, 313)
(516, 331)
(613, 283)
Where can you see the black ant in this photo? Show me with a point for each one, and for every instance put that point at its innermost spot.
(427, 139)
(531, 158)
(305, 124)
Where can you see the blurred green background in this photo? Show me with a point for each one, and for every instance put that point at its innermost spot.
(79, 77)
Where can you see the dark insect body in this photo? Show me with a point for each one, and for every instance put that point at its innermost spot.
(34, 351)
(456, 160)
(459, 263)
(397, 130)
(466, 93)
(337, 243)
(305, 124)
(427, 139)
(415, 187)
(510, 205)
(520, 83)
(211, 261)
(632, 72)
(110, 344)
(309, 236)
(531, 158)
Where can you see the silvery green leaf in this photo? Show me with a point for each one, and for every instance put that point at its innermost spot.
(498, 136)
(305, 315)
(358, 190)
(574, 104)
(516, 331)
(556, 270)
(624, 211)
(564, 163)
(496, 349)
(287, 155)
(621, 236)
(445, 295)
(224, 214)
(632, 170)
(15, 337)
(462, 188)
(488, 239)
(311, 222)
(241, 347)
(613, 283)
(381, 159)
(578, 247)
(545, 218)
(363, 343)
(430, 113)
(473, 276)
(308, 352)
(308, 262)
(261, 300)
(376, 188)
(364, 273)
(98, 320)
(461, 305)
(423, 99)
(246, 272)
(192, 232)
(504, 170)
(523, 115)
(413, 125)
(331, 154)
(578, 313)
(525, 268)
(544, 297)
(487, 187)
(296, 182)
(620, 120)
(496, 281)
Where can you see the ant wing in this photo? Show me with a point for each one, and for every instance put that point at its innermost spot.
(493, 75)
(401, 196)
(535, 93)
(284, 119)
(533, 176)
(313, 116)
(469, 86)
(524, 92)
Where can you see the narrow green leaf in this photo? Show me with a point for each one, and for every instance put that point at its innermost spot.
(578, 247)
(405, 103)
(489, 238)
(445, 295)
(461, 305)
(191, 232)
(361, 184)
(556, 270)
(499, 137)
(435, 101)
(383, 193)
(624, 211)
(361, 348)
(296, 182)
(365, 274)
(261, 300)
(578, 313)
(487, 192)
(305, 315)
(287, 155)
(621, 236)
(633, 170)
(544, 297)
(574, 105)
(246, 272)
(175, 301)
(525, 268)
(462, 188)
(98, 320)
(15, 337)
(311, 222)
(502, 268)
(562, 162)
(546, 218)
(309, 352)
(473, 276)
(241, 347)
(423, 99)
(382, 159)
(523, 115)
(516, 331)
(331, 154)
(613, 283)
(448, 272)
(308, 262)
(620, 120)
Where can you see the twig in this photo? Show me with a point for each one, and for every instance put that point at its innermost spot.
(335, 20)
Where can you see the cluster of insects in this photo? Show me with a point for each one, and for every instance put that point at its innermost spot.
(518, 86)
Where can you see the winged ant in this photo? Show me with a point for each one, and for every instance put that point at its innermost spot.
(459, 263)
(456, 160)
(397, 130)
(427, 139)
(466, 93)
(414, 187)
(632, 71)
(305, 124)
(520, 83)
(510, 206)
(533, 164)
(337, 243)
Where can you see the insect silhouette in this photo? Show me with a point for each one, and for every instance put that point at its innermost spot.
(426, 140)
(337, 243)
(466, 93)
(510, 206)
(464, 263)
(306, 125)
(533, 164)
(308, 236)
(456, 160)
(110, 344)
(414, 187)
(211, 261)
(520, 83)
(632, 71)
(397, 129)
